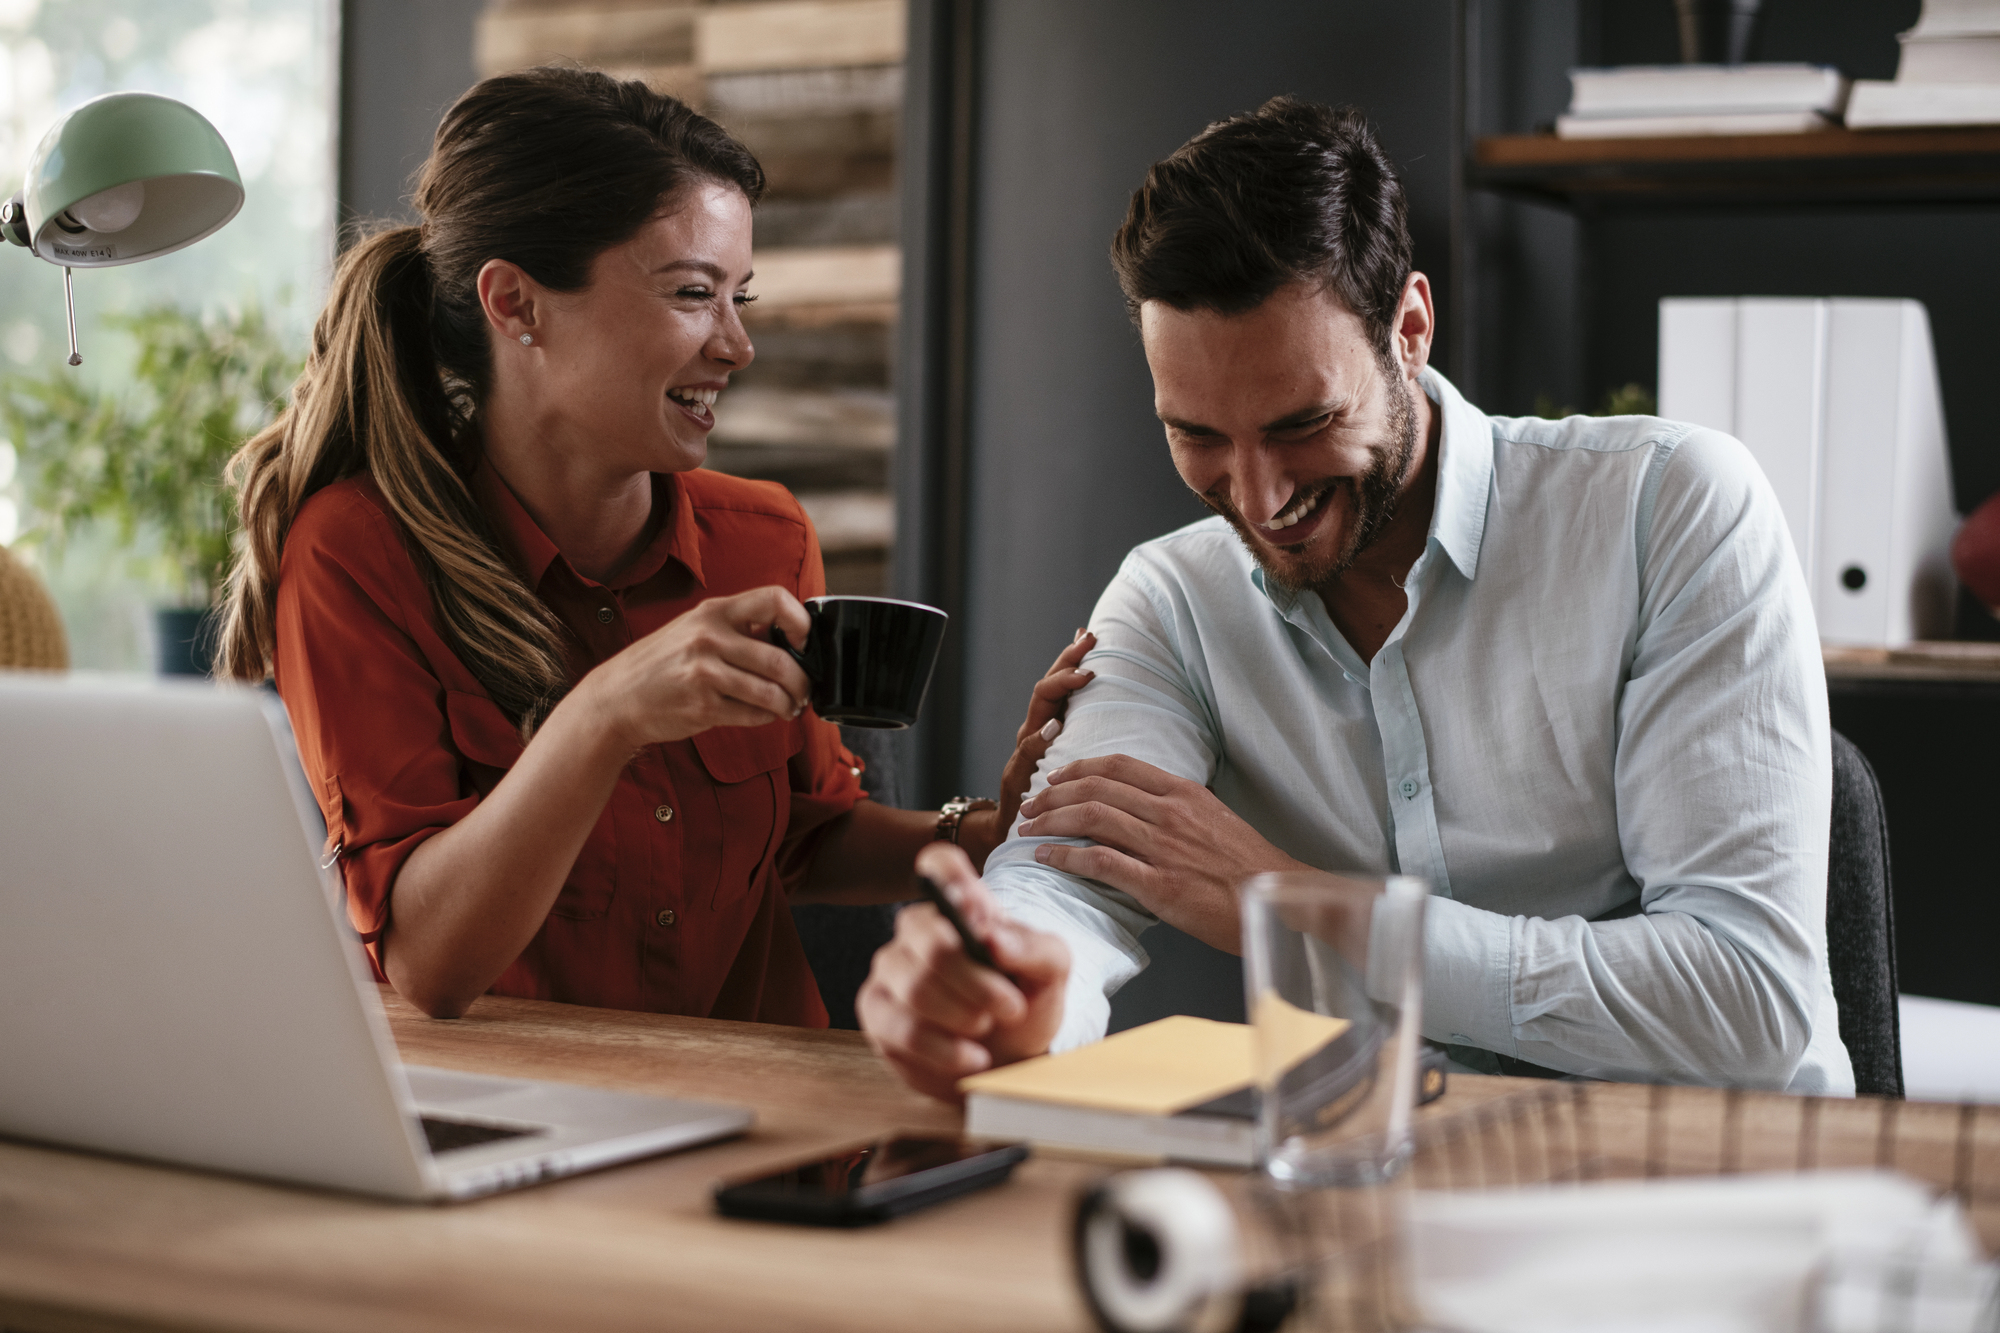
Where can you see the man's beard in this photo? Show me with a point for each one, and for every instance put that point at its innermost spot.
(1374, 494)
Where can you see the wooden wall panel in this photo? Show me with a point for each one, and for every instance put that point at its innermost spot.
(652, 34)
(828, 275)
(801, 418)
(801, 34)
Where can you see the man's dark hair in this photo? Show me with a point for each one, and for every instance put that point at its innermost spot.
(1291, 192)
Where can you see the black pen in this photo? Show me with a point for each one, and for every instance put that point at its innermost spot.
(975, 948)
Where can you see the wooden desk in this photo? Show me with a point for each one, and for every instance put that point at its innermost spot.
(88, 1243)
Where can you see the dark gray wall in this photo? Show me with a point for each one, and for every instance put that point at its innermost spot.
(1528, 341)
(401, 65)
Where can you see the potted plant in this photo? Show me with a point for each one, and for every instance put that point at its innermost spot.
(151, 456)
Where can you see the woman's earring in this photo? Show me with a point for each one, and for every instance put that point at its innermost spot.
(527, 340)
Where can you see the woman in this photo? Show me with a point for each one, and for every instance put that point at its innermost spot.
(521, 638)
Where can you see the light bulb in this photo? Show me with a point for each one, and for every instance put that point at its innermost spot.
(111, 210)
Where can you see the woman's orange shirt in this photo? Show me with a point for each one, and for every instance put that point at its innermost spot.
(677, 903)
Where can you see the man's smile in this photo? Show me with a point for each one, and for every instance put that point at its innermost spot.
(1310, 515)
(1291, 516)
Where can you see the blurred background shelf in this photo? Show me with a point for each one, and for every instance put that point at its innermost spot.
(1933, 662)
(1836, 165)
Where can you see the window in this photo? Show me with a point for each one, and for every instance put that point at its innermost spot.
(263, 72)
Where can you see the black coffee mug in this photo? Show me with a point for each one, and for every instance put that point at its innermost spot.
(869, 658)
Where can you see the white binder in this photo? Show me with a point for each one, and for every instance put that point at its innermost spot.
(1838, 401)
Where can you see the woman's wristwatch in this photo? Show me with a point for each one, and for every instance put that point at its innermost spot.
(954, 811)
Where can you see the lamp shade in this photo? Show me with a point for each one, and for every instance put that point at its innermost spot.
(124, 177)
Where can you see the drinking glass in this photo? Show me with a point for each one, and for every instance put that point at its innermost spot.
(1333, 980)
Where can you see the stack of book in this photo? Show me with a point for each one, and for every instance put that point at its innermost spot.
(1949, 73)
(1658, 101)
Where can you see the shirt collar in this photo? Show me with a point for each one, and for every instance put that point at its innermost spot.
(678, 538)
(1465, 473)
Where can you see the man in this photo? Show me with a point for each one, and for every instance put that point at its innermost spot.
(1566, 672)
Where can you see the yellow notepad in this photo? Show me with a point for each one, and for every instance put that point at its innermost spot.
(1158, 1069)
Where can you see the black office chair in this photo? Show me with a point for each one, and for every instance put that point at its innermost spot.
(1861, 925)
(840, 941)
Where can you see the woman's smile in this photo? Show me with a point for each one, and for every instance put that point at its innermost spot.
(697, 402)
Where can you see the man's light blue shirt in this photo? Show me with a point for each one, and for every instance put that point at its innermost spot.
(1599, 732)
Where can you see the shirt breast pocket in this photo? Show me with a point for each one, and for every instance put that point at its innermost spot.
(490, 745)
(752, 792)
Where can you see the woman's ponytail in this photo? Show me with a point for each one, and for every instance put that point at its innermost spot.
(373, 399)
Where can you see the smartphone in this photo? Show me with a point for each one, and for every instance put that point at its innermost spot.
(871, 1183)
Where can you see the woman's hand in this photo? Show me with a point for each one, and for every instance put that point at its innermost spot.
(709, 667)
(1048, 702)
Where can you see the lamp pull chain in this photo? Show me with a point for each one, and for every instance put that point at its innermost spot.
(69, 308)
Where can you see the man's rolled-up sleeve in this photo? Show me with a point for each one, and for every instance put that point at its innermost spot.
(1142, 703)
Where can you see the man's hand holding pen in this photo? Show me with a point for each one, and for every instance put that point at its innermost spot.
(935, 1014)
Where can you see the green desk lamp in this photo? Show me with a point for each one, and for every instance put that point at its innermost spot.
(124, 177)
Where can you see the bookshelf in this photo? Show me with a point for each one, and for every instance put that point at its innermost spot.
(1896, 168)
(1832, 166)
(1944, 663)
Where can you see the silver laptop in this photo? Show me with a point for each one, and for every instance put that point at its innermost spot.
(178, 979)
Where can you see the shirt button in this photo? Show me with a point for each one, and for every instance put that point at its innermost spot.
(663, 813)
(1409, 788)
(666, 916)
(606, 615)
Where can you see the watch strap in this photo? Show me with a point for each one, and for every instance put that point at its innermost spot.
(954, 811)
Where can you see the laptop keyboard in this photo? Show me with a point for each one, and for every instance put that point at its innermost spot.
(450, 1135)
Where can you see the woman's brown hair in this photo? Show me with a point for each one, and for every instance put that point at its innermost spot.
(547, 168)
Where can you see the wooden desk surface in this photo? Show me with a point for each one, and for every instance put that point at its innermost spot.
(89, 1243)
